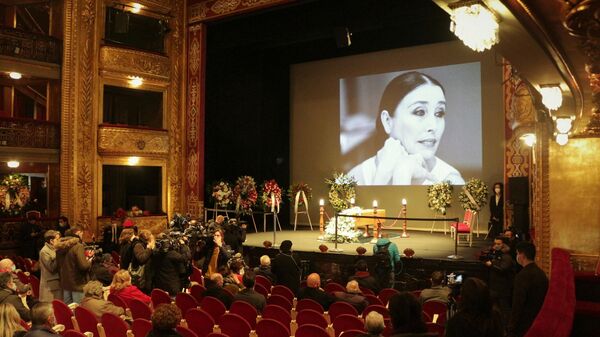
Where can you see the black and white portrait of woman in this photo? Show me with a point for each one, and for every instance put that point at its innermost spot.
(406, 133)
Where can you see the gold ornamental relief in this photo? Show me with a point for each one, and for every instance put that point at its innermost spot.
(225, 6)
(125, 141)
(131, 62)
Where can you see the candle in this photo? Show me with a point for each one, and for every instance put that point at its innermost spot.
(403, 202)
(352, 201)
(374, 203)
(321, 202)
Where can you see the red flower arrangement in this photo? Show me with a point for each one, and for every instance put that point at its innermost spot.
(244, 194)
(268, 188)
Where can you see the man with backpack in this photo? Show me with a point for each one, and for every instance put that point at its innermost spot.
(387, 255)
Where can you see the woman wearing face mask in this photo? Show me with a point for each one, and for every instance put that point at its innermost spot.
(412, 115)
(496, 211)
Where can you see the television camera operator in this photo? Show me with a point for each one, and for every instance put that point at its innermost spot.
(501, 278)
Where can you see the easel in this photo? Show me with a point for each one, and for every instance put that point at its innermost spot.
(438, 216)
(299, 195)
(274, 212)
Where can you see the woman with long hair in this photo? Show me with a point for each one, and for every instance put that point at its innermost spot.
(476, 316)
(10, 322)
(122, 287)
(496, 223)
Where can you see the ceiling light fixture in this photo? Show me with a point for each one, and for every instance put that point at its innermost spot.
(135, 81)
(133, 161)
(13, 164)
(562, 139)
(474, 24)
(15, 75)
(563, 124)
(551, 96)
(136, 7)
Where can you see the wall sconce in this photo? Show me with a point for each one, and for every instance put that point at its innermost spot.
(135, 81)
(15, 75)
(528, 139)
(551, 96)
(474, 24)
(13, 163)
(133, 161)
(135, 8)
(564, 124)
(562, 138)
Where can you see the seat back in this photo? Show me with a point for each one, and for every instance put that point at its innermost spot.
(352, 333)
(72, 333)
(246, 310)
(197, 290)
(200, 322)
(234, 325)
(283, 291)
(261, 290)
(141, 327)
(116, 257)
(468, 217)
(435, 328)
(280, 301)
(434, 307)
(277, 313)
(139, 309)
(213, 307)
(378, 308)
(217, 334)
(332, 287)
(271, 328)
(185, 332)
(366, 291)
(185, 302)
(159, 297)
(114, 326)
(307, 303)
(86, 320)
(35, 285)
(63, 314)
(197, 276)
(347, 322)
(311, 330)
(341, 308)
(309, 316)
(116, 300)
(386, 294)
(263, 281)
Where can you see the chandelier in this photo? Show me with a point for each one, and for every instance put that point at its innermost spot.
(474, 24)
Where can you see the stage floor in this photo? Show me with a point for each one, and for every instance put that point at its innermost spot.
(426, 245)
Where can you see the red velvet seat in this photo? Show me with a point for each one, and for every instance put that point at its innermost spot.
(234, 325)
(373, 300)
(435, 328)
(139, 309)
(386, 294)
(116, 257)
(73, 333)
(217, 334)
(311, 330)
(464, 227)
(185, 332)
(263, 281)
(116, 300)
(63, 314)
(378, 308)
(283, 291)
(185, 302)
(280, 301)
(271, 328)
(159, 297)
(197, 290)
(347, 322)
(200, 322)
(434, 307)
(197, 276)
(213, 307)
(35, 285)
(366, 291)
(261, 290)
(352, 333)
(114, 326)
(332, 287)
(87, 321)
(277, 313)
(23, 277)
(307, 303)
(246, 310)
(141, 327)
(309, 316)
(341, 308)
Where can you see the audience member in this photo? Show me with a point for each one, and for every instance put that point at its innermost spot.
(437, 292)
(476, 316)
(352, 295)
(31, 234)
(530, 287)
(168, 265)
(407, 316)
(237, 268)
(265, 269)
(10, 321)
(23, 290)
(214, 288)
(215, 254)
(502, 276)
(285, 267)
(8, 295)
(230, 281)
(111, 235)
(141, 252)
(386, 263)
(73, 265)
(248, 294)
(314, 292)
(127, 235)
(374, 325)
(102, 270)
(165, 319)
(93, 301)
(63, 225)
(49, 279)
(121, 286)
(234, 234)
(42, 321)
(364, 278)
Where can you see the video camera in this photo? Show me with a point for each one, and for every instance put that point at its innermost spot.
(92, 250)
(489, 255)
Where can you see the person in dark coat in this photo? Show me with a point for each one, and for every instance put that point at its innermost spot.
(352, 295)
(125, 252)
(265, 269)
(286, 268)
(364, 277)
(215, 253)
(9, 295)
(248, 294)
(110, 236)
(314, 292)
(502, 276)
(214, 288)
(235, 235)
(168, 264)
(496, 223)
(164, 320)
(73, 265)
(63, 225)
(42, 321)
(530, 287)
(407, 317)
(31, 236)
(141, 252)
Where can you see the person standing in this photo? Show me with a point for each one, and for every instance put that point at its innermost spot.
(73, 265)
(110, 236)
(49, 279)
(63, 225)
(30, 234)
(496, 223)
(502, 276)
(530, 287)
(387, 255)
(285, 267)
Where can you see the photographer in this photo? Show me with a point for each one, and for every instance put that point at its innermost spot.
(169, 264)
(235, 235)
(141, 252)
(501, 267)
(215, 253)
(73, 265)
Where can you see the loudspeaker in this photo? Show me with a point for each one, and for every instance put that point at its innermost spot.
(518, 190)
(343, 37)
(121, 25)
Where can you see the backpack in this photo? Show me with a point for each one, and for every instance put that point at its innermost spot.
(383, 264)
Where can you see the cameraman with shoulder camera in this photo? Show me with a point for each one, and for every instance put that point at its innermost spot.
(169, 263)
(501, 267)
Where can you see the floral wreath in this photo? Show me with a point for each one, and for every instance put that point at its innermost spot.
(299, 187)
(14, 195)
(268, 188)
(342, 188)
(244, 194)
(474, 195)
(346, 227)
(221, 194)
(440, 197)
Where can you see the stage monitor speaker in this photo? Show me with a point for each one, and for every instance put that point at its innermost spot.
(121, 25)
(518, 190)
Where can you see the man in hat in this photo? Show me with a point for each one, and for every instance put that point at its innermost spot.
(286, 268)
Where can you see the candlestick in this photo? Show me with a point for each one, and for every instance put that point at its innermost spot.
(352, 202)
(374, 204)
(404, 234)
(321, 221)
(376, 224)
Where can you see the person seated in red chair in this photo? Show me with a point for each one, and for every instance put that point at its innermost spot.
(22, 290)
(352, 295)
(437, 292)
(248, 294)
(165, 319)
(122, 287)
(364, 277)
(314, 292)
(94, 302)
(9, 295)
(214, 288)
(43, 321)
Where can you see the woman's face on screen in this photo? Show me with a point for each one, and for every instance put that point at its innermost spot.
(419, 120)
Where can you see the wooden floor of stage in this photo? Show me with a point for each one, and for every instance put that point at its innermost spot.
(425, 244)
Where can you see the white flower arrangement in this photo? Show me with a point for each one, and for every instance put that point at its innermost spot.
(221, 194)
(476, 197)
(342, 188)
(440, 197)
(346, 225)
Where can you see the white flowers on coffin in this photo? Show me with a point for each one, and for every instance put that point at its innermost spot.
(346, 225)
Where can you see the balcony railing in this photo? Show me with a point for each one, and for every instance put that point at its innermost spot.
(15, 132)
(17, 43)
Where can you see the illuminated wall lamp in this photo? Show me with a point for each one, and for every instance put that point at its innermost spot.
(136, 7)
(551, 96)
(563, 124)
(474, 24)
(133, 161)
(562, 138)
(13, 164)
(528, 139)
(135, 81)
(15, 75)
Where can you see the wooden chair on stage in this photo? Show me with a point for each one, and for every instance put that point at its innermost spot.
(463, 228)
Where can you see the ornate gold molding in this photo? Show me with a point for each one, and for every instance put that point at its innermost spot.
(541, 196)
(211, 9)
(134, 63)
(154, 223)
(130, 141)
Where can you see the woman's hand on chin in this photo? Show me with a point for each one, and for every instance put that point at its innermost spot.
(412, 168)
(387, 159)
